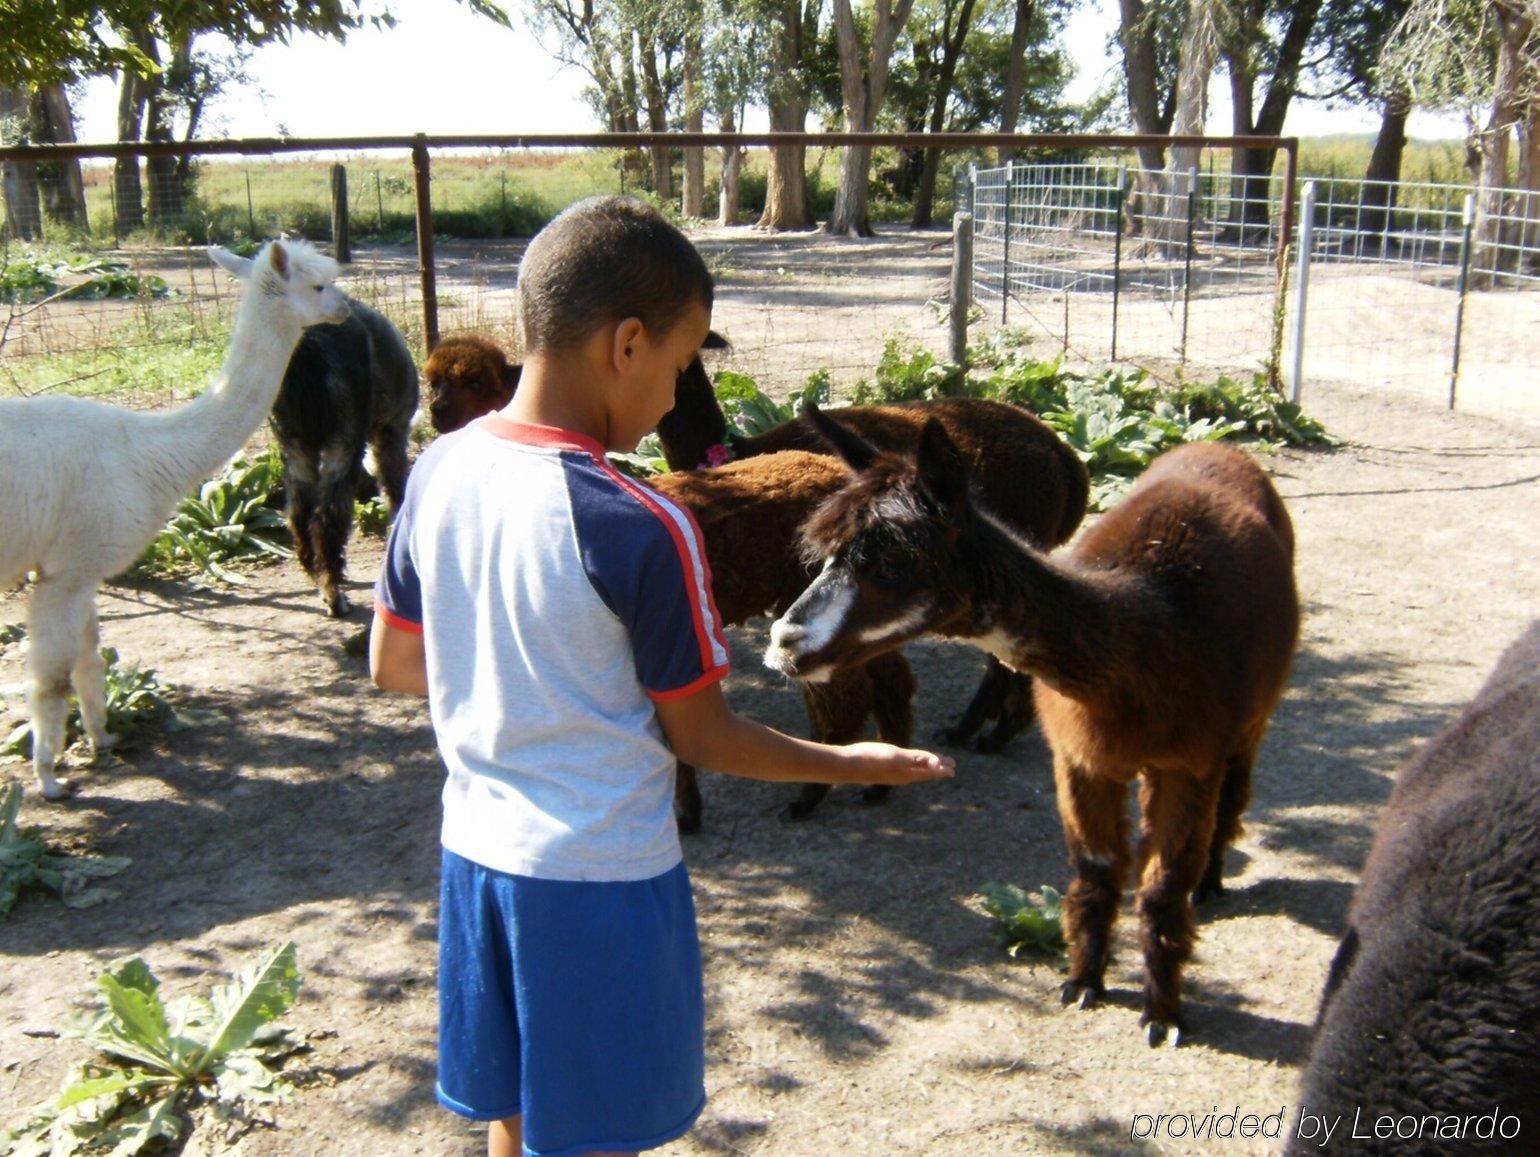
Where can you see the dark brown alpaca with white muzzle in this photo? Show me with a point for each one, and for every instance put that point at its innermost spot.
(1159, 643)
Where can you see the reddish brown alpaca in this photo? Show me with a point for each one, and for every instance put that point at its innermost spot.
(467, 376)
(1159, 644)
(750, 515)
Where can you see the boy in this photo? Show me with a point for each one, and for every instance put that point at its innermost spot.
(558, 616)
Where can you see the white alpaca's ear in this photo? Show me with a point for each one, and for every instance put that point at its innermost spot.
(239, 267)
(278, 258)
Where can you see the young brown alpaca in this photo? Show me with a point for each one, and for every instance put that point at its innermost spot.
(1026, 475)
(750, 515)
(1430, 1005)
(1159, 642)
(468, 376)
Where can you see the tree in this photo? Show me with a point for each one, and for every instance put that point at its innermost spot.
(862, 87)
(794, 31)
(733, 68)
(1465, 55)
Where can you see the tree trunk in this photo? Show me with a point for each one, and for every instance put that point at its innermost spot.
(1514, 25)
(1141, 72)
(861, 93)
(657, 116)
(1167, 224)
(63, 188)
(1529, 181)
(786, 183)
(924, 200)
(1015, 70)
(128, 196)
(694, 200)
(23, 203)
(732, 166)
(1376, 194)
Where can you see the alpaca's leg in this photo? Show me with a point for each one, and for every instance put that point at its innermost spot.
(1016, 712)
(300, 486)
(390, 460)
(893, 687)
(1234, 795)
(1096, 836)
(57, 622)
(838, 711)
(1176, 818)
(984, 706)
(89, 678)
(330, 523)
(687, 801)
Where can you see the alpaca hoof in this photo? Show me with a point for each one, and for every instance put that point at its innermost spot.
(875, 795)
(1159, 1032)
(108, 742)
(337, 605)
(1082, 996)
(58, 789)
(1209, 890)
(795, 812)
(951, 736)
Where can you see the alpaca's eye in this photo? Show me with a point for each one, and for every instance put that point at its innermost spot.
(891, 570)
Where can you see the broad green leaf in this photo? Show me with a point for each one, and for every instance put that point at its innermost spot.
(131, 1134)
(135, 1081)
(260, 994)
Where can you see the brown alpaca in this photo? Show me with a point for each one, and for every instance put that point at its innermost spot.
(1159, 643)
(750, 516)
(467, 376)
(1025, 473)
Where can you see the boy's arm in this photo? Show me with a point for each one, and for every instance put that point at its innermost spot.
(704, 732)
(397, 660)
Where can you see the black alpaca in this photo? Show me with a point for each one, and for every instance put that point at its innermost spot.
(347, 386)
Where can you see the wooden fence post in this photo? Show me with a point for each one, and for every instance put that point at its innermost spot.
(342, 248)
(961, 295)
(425, 267)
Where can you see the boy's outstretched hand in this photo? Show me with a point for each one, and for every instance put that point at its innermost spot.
(882, 763)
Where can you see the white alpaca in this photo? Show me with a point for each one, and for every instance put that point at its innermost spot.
(87, 486)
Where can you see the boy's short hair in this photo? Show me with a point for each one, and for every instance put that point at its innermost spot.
(600, 261)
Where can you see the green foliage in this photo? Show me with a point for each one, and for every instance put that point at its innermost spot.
(646, 461)
(1116, 421)
(30, 276)
(230, 520)
(135, 698)
(155, 1065)
(1022, 922)
(11, 633)
(372, 517)
(26, 862)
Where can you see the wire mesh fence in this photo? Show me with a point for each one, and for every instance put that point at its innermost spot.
(1423, 287)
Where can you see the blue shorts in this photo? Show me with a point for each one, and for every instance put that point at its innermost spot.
(577, 1005)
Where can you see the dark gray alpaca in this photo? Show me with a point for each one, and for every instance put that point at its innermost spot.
(347, 385)
(1431, 1015)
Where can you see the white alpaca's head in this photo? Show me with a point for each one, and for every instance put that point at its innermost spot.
(292, 271)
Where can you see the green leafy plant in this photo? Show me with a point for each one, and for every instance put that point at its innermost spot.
(158, 1067)
(1024, 923)
(372, 517)
(231, 519)
(645, 461)
(907, 374)
(135, 698)
(11, 633)
(27, 862)
(30, 277)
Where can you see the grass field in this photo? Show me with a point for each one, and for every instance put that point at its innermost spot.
(511, 193)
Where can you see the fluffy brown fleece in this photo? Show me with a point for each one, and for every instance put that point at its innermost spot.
(468, 376)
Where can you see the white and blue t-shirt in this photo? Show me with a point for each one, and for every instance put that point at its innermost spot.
(557, 599)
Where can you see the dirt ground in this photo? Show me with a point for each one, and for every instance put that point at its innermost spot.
(857, 1000)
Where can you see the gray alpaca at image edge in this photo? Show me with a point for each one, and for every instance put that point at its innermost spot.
(347, 386)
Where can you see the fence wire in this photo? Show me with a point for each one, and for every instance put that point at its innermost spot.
(1178, 272)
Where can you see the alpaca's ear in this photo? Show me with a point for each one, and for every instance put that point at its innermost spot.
(238, 267)
(278, 258)
(715, 341)
(857, 452)
(941, 465)
(511, 373)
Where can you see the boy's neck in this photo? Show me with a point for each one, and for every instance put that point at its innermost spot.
(564, 394)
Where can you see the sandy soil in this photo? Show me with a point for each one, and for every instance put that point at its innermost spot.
(857, 1001)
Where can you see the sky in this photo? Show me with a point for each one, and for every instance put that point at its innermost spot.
(445, 70)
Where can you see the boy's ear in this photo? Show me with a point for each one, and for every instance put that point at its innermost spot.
(628, 335)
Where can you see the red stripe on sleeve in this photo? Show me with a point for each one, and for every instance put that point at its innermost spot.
(395, 621)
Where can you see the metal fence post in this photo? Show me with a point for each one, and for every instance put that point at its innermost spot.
(425, 267)
(1005, 247)
(1301, 292)
(962, 287)
(1468, 221)
(1117, 259)
(1192, 215)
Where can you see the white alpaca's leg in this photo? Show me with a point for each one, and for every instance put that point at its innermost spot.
(56, 620)
(89, 677)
